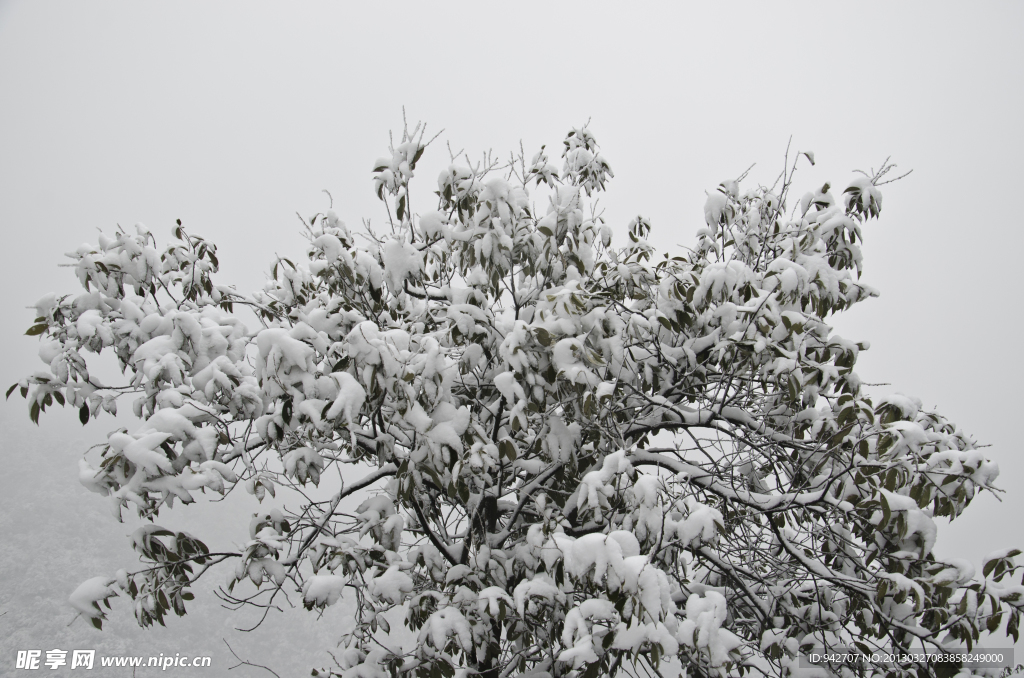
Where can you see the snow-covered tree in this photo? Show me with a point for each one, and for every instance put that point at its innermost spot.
(578, 460)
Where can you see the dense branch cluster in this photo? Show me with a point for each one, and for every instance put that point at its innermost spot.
(579, 459)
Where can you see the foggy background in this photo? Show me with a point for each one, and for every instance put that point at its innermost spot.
(233, 116)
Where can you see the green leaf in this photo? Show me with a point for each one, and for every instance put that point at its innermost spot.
(946, 669)
(83, 414)
(507, 449)
(886, 513)
(11, 390)
(794, 388)
(36, 329)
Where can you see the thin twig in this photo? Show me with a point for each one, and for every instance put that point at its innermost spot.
(242, 662)
(889, 181)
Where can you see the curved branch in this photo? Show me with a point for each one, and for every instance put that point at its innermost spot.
(430, 534)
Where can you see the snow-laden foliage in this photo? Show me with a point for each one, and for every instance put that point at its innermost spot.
(581, 459)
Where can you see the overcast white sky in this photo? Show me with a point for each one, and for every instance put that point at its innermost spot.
(232, 116)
